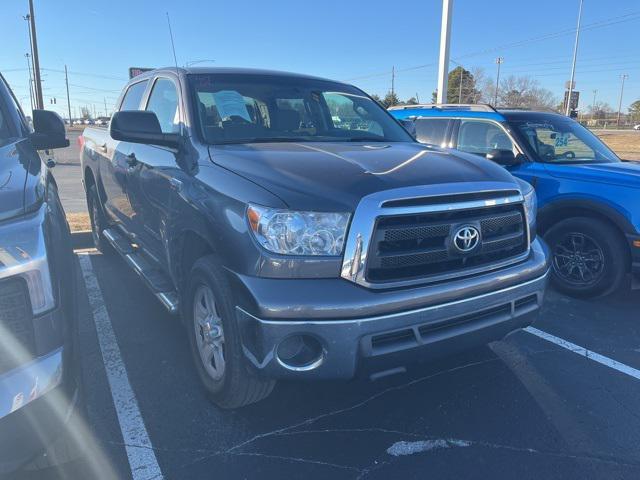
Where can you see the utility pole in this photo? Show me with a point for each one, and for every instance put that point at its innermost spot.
(445, 40)
(499, 62)
(461, 78)
(66, 79)
(36, 60)
(106, 113)
(623, 77)
(393, 81)
(573, 64)
(28, 57)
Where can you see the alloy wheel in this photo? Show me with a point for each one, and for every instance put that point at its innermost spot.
(578, 259)
(208, 332)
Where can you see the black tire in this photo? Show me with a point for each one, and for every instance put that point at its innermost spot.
(601, 258)
(238, 386)
(98, 222)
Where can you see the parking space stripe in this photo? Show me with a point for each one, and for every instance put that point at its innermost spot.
(591, 355)
(142, 459)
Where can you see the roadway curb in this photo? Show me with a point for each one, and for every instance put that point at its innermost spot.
(82, 239)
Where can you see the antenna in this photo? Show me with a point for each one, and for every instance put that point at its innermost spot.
(173, 46)
(175, 61)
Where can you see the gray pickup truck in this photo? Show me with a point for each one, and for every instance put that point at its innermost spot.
(39, 370)
(302, 233)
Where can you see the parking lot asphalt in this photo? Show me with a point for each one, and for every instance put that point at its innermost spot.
(524, 407)
(69, 176)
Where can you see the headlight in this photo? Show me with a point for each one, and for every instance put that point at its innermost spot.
(23, 253)
(290, 232)
(531, 209)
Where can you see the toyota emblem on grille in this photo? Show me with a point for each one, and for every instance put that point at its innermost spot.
(466, 238)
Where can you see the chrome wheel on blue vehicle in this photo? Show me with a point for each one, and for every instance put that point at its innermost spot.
(589, 256)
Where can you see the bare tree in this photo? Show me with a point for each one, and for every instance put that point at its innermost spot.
(521, 92)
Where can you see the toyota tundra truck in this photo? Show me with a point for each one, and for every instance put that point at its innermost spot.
(302, 233)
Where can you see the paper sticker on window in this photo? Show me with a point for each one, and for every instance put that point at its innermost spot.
(231, 104)
(562, 140)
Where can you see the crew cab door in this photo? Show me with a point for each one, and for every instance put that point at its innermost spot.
(114, 164)
(153, 173)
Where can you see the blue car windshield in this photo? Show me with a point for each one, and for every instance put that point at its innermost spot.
(254, 108)
(559, 140)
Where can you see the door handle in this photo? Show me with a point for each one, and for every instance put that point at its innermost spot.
(132, 161)
(103, 148)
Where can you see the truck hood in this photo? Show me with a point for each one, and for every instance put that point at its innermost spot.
(19, 179)
(626, 174)
(335, 176)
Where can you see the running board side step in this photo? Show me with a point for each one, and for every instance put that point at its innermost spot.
(159, 284)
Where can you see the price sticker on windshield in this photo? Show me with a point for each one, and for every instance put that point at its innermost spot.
(562, 139)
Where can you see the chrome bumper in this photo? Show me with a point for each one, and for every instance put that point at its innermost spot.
(23, 385)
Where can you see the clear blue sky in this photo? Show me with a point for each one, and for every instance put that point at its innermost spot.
(354, 40)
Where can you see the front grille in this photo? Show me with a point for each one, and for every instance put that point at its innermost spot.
(405, 247)
(17, 343)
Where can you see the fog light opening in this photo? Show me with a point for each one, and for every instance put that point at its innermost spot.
(300, 353)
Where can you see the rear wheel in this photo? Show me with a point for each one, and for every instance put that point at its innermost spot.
(215, 340)
(589, 257)
(98, 221)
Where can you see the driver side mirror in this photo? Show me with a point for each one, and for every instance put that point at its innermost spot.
(49, 131)
(503, 157)
(139, 126)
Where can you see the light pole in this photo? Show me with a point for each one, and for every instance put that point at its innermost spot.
(573, 64)
(499, 62)
(445, 40)
(28, 57)
(623, 77)
(36, 61)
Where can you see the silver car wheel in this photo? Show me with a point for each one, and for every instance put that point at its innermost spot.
(208, 332)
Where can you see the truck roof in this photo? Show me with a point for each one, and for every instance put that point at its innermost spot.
(230, 71)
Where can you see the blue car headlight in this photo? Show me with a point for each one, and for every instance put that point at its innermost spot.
(530, 206)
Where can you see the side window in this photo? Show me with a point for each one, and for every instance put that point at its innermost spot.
(133, 97)
(480, 137)
(431, 130)
(164, 103)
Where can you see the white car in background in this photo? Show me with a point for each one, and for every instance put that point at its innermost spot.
(636, 127)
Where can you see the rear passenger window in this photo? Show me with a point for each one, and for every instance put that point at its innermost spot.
(480, 137)
(133, 97)
(164, 103)
(431, 130)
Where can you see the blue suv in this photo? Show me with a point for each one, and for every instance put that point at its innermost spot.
(589, 198)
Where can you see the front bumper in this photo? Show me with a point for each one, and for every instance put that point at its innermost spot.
(634, 241)
(36, 401)
(431, 321)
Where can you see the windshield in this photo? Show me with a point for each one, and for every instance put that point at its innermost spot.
(560, 140)
(237, 108)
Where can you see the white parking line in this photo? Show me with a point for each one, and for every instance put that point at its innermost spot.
(596, 357)
(142, 459)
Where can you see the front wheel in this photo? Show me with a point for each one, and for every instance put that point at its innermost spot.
(589, 257)
(214, 338)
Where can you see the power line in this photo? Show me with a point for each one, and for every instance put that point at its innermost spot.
(551, 35)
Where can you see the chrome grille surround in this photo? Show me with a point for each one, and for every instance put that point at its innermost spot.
(372, 207)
